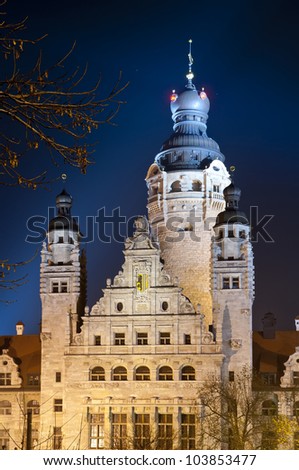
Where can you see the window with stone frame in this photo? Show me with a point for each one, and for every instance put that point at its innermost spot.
(164, 338)
(97, 340)
(120, 373)
(231, 282)
(187, 339)
(57, 438)
(4, 439)
(269, 408)
(235, 282)
(119, 339)
(142, 431)
(59, 287)
(58, 405)
(165, 431)
(33, 407)
(5, 378)
(188, 373)
(142, 338)
(96, 431)
(97, 374)
(57, 377)
(5, 407)
(296, 378)
(165, 373)
(188, 432)
(142, 373)
(296, 409)
(119, 431)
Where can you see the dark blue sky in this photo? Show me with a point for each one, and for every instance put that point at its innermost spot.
(245, 55)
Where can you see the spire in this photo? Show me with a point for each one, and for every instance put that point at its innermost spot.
(190, 74)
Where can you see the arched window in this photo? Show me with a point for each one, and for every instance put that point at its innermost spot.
(165, 373)
(188, 373)
(33, 406)
(196, 185)
(97, 374)
(5, 407)
(269, 408)
(142, 373)
(119, 373)
(175, 187)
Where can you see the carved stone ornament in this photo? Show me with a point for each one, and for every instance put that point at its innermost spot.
(46, 336)
(235, 343)
(207, 338)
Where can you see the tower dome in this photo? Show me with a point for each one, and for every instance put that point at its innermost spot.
(232, 214)
(63, 220)
(189, 147)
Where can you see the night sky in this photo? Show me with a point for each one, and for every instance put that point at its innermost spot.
(245, 55)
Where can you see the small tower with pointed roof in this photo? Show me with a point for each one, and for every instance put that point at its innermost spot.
(59, 292)
(233, 283)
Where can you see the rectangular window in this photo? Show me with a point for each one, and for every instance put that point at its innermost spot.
(164, 338)
(296, 378)
(57, 438)
(225, 283)
(142, 431)
(119, 339)
(236, 283)
(187, 339)
(59, 287)
(268, 378)
(5, 378)
(58, 403)
(216, 188)
(58, 377)
(55, 287)
(165, 432)
(188, 431)
(63, 287)
(119, 431)
(33, 380)
(97, 340)
(142, 338)
(231, 376)
(96, 431)
(4, 439)
(231, 234)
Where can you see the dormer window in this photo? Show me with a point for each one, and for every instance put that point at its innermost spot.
(5, 378)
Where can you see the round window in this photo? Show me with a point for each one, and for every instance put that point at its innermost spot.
(119, 306)
(164, 306)
(5, 363)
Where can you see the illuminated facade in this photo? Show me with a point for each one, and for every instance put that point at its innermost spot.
(126, 373)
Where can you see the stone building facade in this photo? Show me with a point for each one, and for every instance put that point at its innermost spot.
(126, 373)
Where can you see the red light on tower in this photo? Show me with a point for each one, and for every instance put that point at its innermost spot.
(173, 97)
(203, 94)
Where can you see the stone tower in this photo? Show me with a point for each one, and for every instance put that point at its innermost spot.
(233, 283)
(59, 291)
(185, 194)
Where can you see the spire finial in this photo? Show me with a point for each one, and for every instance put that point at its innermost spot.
(190, 74)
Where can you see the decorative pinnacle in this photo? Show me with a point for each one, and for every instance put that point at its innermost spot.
(190, 74)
